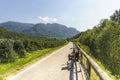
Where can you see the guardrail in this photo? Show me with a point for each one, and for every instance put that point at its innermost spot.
(91, 64)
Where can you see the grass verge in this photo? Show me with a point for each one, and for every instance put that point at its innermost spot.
(13, 67)
(93, 74)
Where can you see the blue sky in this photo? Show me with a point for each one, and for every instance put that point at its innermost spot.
(80, 14)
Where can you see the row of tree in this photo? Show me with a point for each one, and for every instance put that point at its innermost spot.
(11, 50)
(14, 45)
(104, 42)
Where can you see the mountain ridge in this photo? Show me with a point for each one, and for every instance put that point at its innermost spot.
(54, 30)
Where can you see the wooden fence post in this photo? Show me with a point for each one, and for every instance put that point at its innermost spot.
(80, 55)
(88, 67)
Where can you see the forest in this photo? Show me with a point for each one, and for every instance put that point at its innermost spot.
(104, 42)
(14, 45)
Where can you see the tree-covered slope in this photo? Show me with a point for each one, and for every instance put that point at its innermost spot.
(51, 30)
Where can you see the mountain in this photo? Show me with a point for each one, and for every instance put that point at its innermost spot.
(41, 30)
(51, 30)
(16, 26)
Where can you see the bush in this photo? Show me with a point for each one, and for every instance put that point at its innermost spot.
(19, 48)
(7, 54)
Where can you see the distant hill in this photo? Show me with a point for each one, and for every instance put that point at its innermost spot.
(16, 26)
(7, 34)
(41, 30)
(51, 30)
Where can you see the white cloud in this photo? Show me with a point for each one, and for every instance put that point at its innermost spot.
(47, 19)
(54, 19)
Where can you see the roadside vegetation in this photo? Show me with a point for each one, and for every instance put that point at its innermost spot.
(7, 69)
(31, 57)
(14, 45)
(93, 74)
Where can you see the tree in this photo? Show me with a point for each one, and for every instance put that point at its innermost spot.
(116, 16)
(19, 48)
(7, 54)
